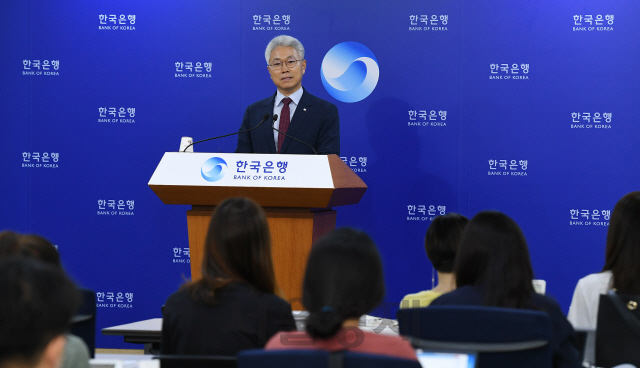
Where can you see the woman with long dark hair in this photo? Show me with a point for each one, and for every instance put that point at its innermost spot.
(343, 281)
(621, 269)
(233, 306)
(493, 269)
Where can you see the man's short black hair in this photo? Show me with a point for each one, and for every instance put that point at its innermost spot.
(37, 302)
(442, 239)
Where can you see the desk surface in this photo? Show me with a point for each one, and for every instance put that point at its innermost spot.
(148, 327)
(149, 331)
(152, 328)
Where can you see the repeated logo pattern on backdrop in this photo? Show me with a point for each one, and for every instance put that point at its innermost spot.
(426, 22)
(445, 106)
(357, 164)
(509, 71)
(423, 212)
(115, 22)
(37, 160)
(116, 207)
(271, 22)
(181, 255)
(591, 23)
(427, 118)
(116, 115)
(190, 69)
(113, 299)
(588, 120)
(508, 167)
(40, 67)
(586, 217)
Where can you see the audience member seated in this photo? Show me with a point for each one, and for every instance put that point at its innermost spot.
(37, 303)
(441, 244)
(493, 268)
(234, 306)
(9, 243)
(621, 269)
(76, 353)
(343, 281)
(30, 246)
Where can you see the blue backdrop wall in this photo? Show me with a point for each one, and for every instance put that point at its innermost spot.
(526, 107)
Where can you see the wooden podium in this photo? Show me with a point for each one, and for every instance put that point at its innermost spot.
(298, 202)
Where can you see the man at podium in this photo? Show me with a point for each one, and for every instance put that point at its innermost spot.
(312, 121)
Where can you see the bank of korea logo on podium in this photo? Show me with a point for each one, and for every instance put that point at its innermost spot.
(349, 72)
(214, 169)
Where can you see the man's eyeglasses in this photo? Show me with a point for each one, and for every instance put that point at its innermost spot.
(277, 65)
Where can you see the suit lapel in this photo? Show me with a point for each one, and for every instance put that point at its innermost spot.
(298, 119)
(268, 109)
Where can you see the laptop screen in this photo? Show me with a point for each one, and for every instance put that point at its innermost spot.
(436, 359)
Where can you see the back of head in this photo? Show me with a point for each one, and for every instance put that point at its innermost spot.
(9, 243)
(237, 248)
(493, 256)
(343, 279)
(37, 303)
(442, 239)
(35, 246)
(623, 244)
(30, 246)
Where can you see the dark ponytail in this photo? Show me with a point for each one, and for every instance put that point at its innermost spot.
(324, 324)
(343, 280)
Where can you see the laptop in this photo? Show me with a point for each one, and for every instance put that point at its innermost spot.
(443, 359)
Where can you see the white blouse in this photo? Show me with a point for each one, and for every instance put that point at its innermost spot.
(583, 312)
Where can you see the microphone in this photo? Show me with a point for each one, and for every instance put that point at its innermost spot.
(275, 117)
(264, 118)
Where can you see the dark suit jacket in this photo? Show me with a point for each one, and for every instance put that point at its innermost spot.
(242, 318)
(315, 122)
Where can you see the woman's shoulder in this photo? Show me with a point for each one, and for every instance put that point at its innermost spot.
(417, 295)
(178, 303)
(419, 300)
(250, 291)
(289, 340)
(600, 280)
(276, 304)
(391, 345)
(256, 298)
(180, 296)
(359, 337)
(549, 305)
(465, 295)
(232, 294)
(353, 339)
(544, 300)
